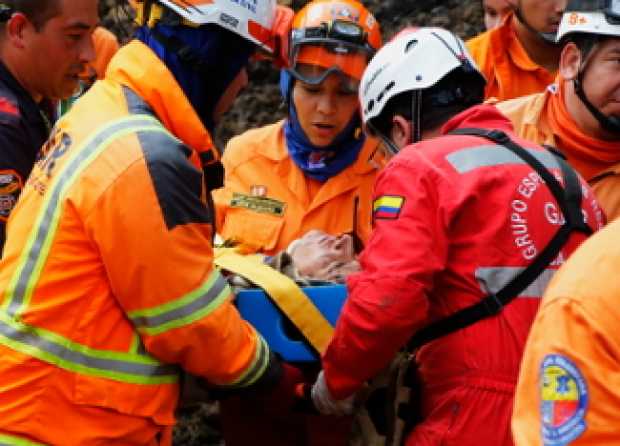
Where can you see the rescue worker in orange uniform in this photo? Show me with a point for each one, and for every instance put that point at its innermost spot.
(460, 215)
(520, 57)
(567, 393)
(315, 169)
(107, 284)
(579, 114)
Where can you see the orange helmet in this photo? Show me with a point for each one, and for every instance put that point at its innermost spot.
(332, 36)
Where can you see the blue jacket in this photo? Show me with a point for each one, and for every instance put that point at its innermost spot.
(24, 127)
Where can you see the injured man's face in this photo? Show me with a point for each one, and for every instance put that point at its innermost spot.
(321, 256)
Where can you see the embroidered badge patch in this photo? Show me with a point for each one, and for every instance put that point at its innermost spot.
(258, 204)
(564, 400)
(10, 187)
(387, 207)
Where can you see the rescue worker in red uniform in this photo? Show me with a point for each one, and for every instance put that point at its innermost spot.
(107, 284)
(456, 218)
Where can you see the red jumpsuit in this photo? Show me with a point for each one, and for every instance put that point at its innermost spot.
(455, 218)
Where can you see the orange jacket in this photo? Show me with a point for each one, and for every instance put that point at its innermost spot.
(530, 117)
(570, 373)
(509, 71)
(108, 279)
(257, 163)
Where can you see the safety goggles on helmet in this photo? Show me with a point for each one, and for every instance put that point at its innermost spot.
(338, 47)
(315, 75)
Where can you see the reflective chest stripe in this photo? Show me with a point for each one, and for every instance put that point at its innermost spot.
(494, 278)
(48, 346)
(469, 159)
(10, 440)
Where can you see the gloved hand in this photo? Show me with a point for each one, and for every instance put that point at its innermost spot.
(326, 403)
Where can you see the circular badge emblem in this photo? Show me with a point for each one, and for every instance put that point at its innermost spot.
(564, 400)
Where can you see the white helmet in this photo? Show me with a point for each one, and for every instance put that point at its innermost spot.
(415, 60)
(596, 18)
(599, 17)
(251, 19)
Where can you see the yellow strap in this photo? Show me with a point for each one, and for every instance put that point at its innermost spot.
(284, 292)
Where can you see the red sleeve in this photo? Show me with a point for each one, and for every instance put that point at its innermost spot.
(388, 300)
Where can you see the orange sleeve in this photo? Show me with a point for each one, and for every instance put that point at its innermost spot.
(151, 228)
(570, 374)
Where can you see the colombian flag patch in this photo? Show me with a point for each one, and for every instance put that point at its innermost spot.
(387, 207)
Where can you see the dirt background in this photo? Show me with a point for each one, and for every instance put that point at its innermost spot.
(261, 104)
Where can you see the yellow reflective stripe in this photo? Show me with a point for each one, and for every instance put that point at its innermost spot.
(11, 440)
(185, 310)
(36, 252)
(62, 352)
(48, 346)
(257, 367)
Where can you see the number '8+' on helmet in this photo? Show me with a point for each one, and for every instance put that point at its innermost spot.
(597, 17)
(414, 60)
(332, 36)
(251, 19)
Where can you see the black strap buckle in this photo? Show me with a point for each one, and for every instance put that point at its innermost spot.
(492, 304)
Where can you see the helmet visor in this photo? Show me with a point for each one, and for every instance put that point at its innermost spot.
(327, 56)
(315, 75)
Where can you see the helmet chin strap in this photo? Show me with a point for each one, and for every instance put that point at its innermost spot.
(548, 38)
(608, 123)
(416, 116)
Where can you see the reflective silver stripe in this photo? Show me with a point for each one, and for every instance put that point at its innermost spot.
(493, 279)
(192, 307)
(258, 366)
(19, 294)
(473, 158)
(63, 355)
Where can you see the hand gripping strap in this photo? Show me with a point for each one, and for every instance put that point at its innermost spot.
(283, 291)
(569, 200)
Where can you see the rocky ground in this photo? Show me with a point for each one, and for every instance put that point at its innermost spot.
(261, 104)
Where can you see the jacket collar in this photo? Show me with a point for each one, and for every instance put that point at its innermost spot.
(479, 116)
(136, 66)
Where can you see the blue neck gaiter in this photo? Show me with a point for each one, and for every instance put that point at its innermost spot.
(223, 51)
(318, 163)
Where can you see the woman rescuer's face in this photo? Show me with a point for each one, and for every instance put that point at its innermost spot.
(324, 110)
(321, 256)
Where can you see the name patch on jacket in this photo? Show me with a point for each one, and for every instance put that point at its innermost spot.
(387, 207)
(10, 188)
(263, 205)
(564, 400)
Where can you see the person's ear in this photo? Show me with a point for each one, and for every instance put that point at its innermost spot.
(400, 133)
(570, 61)
(16, 30)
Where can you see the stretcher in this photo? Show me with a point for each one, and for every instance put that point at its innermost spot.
(280, 333)
(297, 323)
